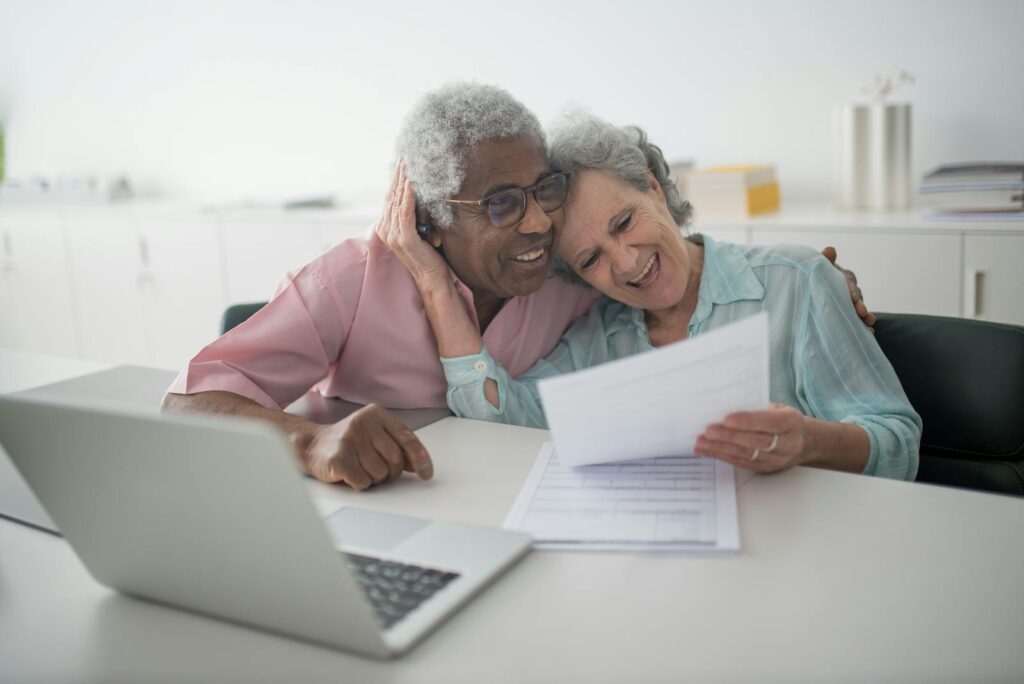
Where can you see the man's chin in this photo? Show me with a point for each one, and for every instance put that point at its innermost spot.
(525, 286)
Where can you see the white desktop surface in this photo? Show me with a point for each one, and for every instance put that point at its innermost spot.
(841, 578)
(21, 370)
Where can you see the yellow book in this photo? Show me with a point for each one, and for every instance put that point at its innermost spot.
(762, 199)
(734, 202)
(747, 176)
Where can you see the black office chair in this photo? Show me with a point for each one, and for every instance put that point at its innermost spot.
(237, 314)
(966, 379)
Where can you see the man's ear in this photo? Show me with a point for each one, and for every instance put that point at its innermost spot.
(429, 232)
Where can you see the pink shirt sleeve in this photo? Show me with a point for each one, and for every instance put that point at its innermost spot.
(290, 344)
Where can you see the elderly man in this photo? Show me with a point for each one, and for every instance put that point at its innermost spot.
(352, 324)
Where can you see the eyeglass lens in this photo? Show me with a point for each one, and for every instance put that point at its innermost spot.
(508, 207)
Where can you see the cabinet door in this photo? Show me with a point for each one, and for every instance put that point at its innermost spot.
(108, 273)
(331, 233)
(258, 254)
(739, 236)
(898, 273)
(36, 309)
(994, 278)
(183, 287)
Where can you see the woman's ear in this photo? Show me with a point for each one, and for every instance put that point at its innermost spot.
(655, 186)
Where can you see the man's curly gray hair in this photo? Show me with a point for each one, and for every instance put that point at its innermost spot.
(442, 127)
(583, 141)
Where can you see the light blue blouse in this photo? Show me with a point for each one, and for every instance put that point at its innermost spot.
(824, 360)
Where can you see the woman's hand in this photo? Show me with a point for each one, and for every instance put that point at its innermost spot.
(397, 229)
(765, 441)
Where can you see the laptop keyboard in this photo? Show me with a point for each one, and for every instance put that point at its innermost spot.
(396, 589)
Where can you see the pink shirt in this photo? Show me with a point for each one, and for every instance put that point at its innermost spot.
(352, 324)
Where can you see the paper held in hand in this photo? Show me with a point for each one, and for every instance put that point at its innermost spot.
(659, 402)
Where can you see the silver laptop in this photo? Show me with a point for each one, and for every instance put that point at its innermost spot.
(137, 386)
(210, 514)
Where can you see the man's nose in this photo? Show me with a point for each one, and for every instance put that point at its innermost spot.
(535, 220)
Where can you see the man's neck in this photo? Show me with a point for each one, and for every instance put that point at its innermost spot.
(487, 306)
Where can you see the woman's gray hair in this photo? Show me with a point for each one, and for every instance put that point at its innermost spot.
(583, 142)
(442, 127)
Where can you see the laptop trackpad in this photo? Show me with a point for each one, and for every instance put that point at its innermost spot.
(371, 530)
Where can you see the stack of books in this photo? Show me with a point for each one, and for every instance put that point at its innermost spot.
(983, 188)
(733, 191)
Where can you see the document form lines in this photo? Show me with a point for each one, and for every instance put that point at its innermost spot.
(667, 503)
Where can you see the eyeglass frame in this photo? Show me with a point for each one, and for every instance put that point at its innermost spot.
(531, 190)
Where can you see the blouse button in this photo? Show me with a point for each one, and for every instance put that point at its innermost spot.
(480, 366)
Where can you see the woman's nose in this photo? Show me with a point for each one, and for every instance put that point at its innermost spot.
(624, 259)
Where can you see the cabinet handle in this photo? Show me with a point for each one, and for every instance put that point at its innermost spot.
(8, 266)
(145, 277)
(975, 294)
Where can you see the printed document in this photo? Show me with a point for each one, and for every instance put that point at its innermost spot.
(681, 503)
(658, 403)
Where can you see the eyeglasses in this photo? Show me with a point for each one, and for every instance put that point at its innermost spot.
(507, 207)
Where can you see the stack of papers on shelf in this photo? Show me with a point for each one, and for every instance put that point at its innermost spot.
(621, 473)
(987, 187)
(733, 191)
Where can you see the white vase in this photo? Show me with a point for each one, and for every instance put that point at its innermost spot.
(872, 156)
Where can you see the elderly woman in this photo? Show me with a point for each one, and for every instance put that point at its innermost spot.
(837, 402)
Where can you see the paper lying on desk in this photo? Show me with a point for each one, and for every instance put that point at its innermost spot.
(658, 403)
(682, 503)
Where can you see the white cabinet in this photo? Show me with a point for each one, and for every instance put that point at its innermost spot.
(36, 309)
(258, 254)
(149, 290)
(739, 236)
(182, 287)
(994, 278)
(906, 261)
(107, 268)
(259, 251)
(897, 272)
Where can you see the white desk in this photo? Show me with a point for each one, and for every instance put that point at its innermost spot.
(841, 577)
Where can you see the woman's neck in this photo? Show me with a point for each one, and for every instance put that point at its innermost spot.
(671, 324)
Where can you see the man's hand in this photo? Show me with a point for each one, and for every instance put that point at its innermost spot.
(397, 229)
(855, 294)
(365, 449)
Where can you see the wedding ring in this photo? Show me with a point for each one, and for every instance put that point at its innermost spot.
(775, 443)
(753, 456)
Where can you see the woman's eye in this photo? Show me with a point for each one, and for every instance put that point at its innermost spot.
(588, 262)
(624, 224)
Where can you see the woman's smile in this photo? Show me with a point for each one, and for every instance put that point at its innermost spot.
(649, 273)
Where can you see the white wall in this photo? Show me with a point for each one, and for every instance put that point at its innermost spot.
(229, 100)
